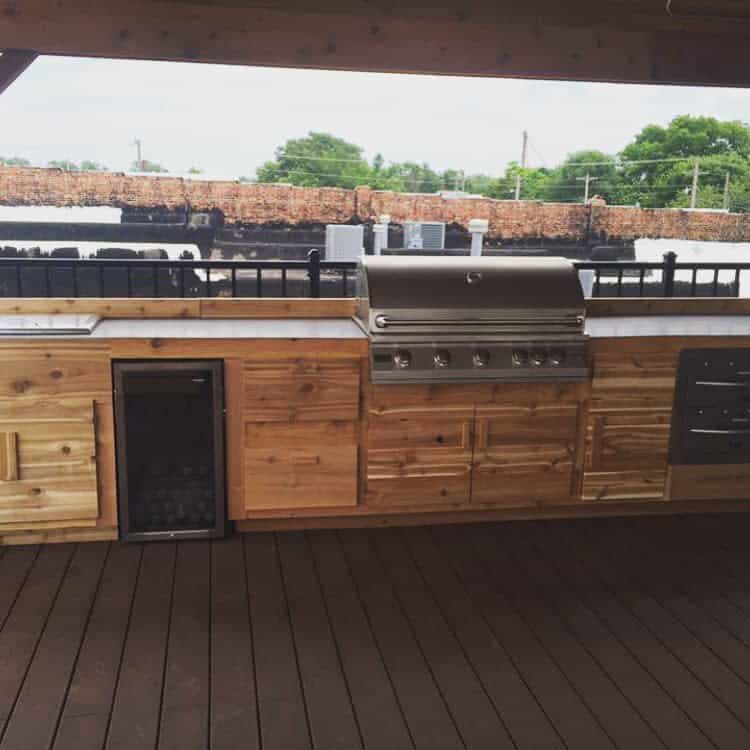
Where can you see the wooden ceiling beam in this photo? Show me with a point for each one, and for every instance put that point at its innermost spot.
(13, 62)
(616, 40)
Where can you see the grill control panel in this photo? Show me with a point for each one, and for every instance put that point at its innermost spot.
(468, 361)
(711, 416)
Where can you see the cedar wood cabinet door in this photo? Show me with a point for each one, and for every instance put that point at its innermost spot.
(524, 455)
(299, 434)
(419, 457)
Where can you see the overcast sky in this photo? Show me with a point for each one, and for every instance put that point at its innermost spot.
(227, 120)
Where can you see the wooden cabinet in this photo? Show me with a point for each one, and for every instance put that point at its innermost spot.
(419, 457)
(524, 455)
(48, 457)
(473, 445)
(56, 438)
(628, 423)
(294, 435)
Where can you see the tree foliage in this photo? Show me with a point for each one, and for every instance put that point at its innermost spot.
(654, 169)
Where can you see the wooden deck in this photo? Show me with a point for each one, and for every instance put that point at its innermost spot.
(580, 634)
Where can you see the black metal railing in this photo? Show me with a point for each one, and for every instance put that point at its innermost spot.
(314, 277)
(666, 279)
(97, 277)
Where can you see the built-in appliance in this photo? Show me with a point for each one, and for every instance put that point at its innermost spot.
(47, 325)
(452, 319)
(711, 415)
(170, 449)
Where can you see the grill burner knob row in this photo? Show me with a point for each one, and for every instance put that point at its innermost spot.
(481, 358)
(520, 358)
(557, 357)
(538, 358)
(441, 358)
(402, 359)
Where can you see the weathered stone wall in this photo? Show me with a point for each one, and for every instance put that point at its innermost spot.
(284, 204)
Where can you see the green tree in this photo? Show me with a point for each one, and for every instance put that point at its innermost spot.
(317, 160)
(567, 182)
(14, 161)
(656, 168)
(92, 166)
(64, 164)
(148, 166)
(195, 170)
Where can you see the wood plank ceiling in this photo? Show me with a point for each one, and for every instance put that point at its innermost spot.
(656, 41)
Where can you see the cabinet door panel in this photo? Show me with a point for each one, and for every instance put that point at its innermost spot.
(419, 457)
(298, 389)
(48, 461)
(524, 455)
(626, 454)
(300, 465)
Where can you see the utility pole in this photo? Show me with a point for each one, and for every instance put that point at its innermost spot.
(524, 147)
(694, 189)
(726, 191)
(139, 159)
(587, 180)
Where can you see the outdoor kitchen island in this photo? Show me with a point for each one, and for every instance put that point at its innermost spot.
(311, 441)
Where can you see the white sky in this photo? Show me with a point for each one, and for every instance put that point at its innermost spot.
(227, 120)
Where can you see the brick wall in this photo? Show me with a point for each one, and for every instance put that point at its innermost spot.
(268, 204)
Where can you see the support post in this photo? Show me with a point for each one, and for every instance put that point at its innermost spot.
(670, 260)
(694, 188)
(313, 261)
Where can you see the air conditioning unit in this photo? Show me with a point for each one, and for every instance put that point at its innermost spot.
(424, 235)
(344, 241)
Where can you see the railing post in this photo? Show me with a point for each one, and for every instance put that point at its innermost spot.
(313, 260)
(670, 260)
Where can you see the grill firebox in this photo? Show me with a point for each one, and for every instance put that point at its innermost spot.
(472, 319)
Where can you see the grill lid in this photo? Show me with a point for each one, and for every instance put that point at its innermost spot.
(434, 294)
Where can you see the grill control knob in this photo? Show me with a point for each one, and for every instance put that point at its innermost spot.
(402, 359)
(520, 358)
(557, 357)
(481, 358)
(538, 358)
(441, 358)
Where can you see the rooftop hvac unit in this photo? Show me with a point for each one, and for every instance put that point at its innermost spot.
(424, 235)
(344, 242)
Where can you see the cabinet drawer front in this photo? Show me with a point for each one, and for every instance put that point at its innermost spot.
(419, 457)
(522, 484)
(300, 465)
(301, 389)
(414, 432)
(533, 426)
(624, 486)
(628, 441)
(48, 461)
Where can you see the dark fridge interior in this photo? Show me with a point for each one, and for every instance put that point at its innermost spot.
(170, 455)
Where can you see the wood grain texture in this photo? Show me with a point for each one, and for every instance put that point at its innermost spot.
(524, 455)
(585, 41)
(419, 456)
(8, 456)
(267, 308)
(105, 308)
(300, 464)
(710, 483)
(606, 307)
(300, 389)
(55, 471)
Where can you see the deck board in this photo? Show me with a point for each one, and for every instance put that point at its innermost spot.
(623, 633)
(85, 716)
(35, 715)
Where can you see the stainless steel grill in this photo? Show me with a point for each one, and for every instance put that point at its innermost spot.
(472, 319)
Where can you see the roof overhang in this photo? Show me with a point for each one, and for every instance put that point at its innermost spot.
(13, 62)
(647, 41)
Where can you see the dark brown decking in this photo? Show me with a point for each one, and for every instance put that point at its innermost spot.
(579, 634)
